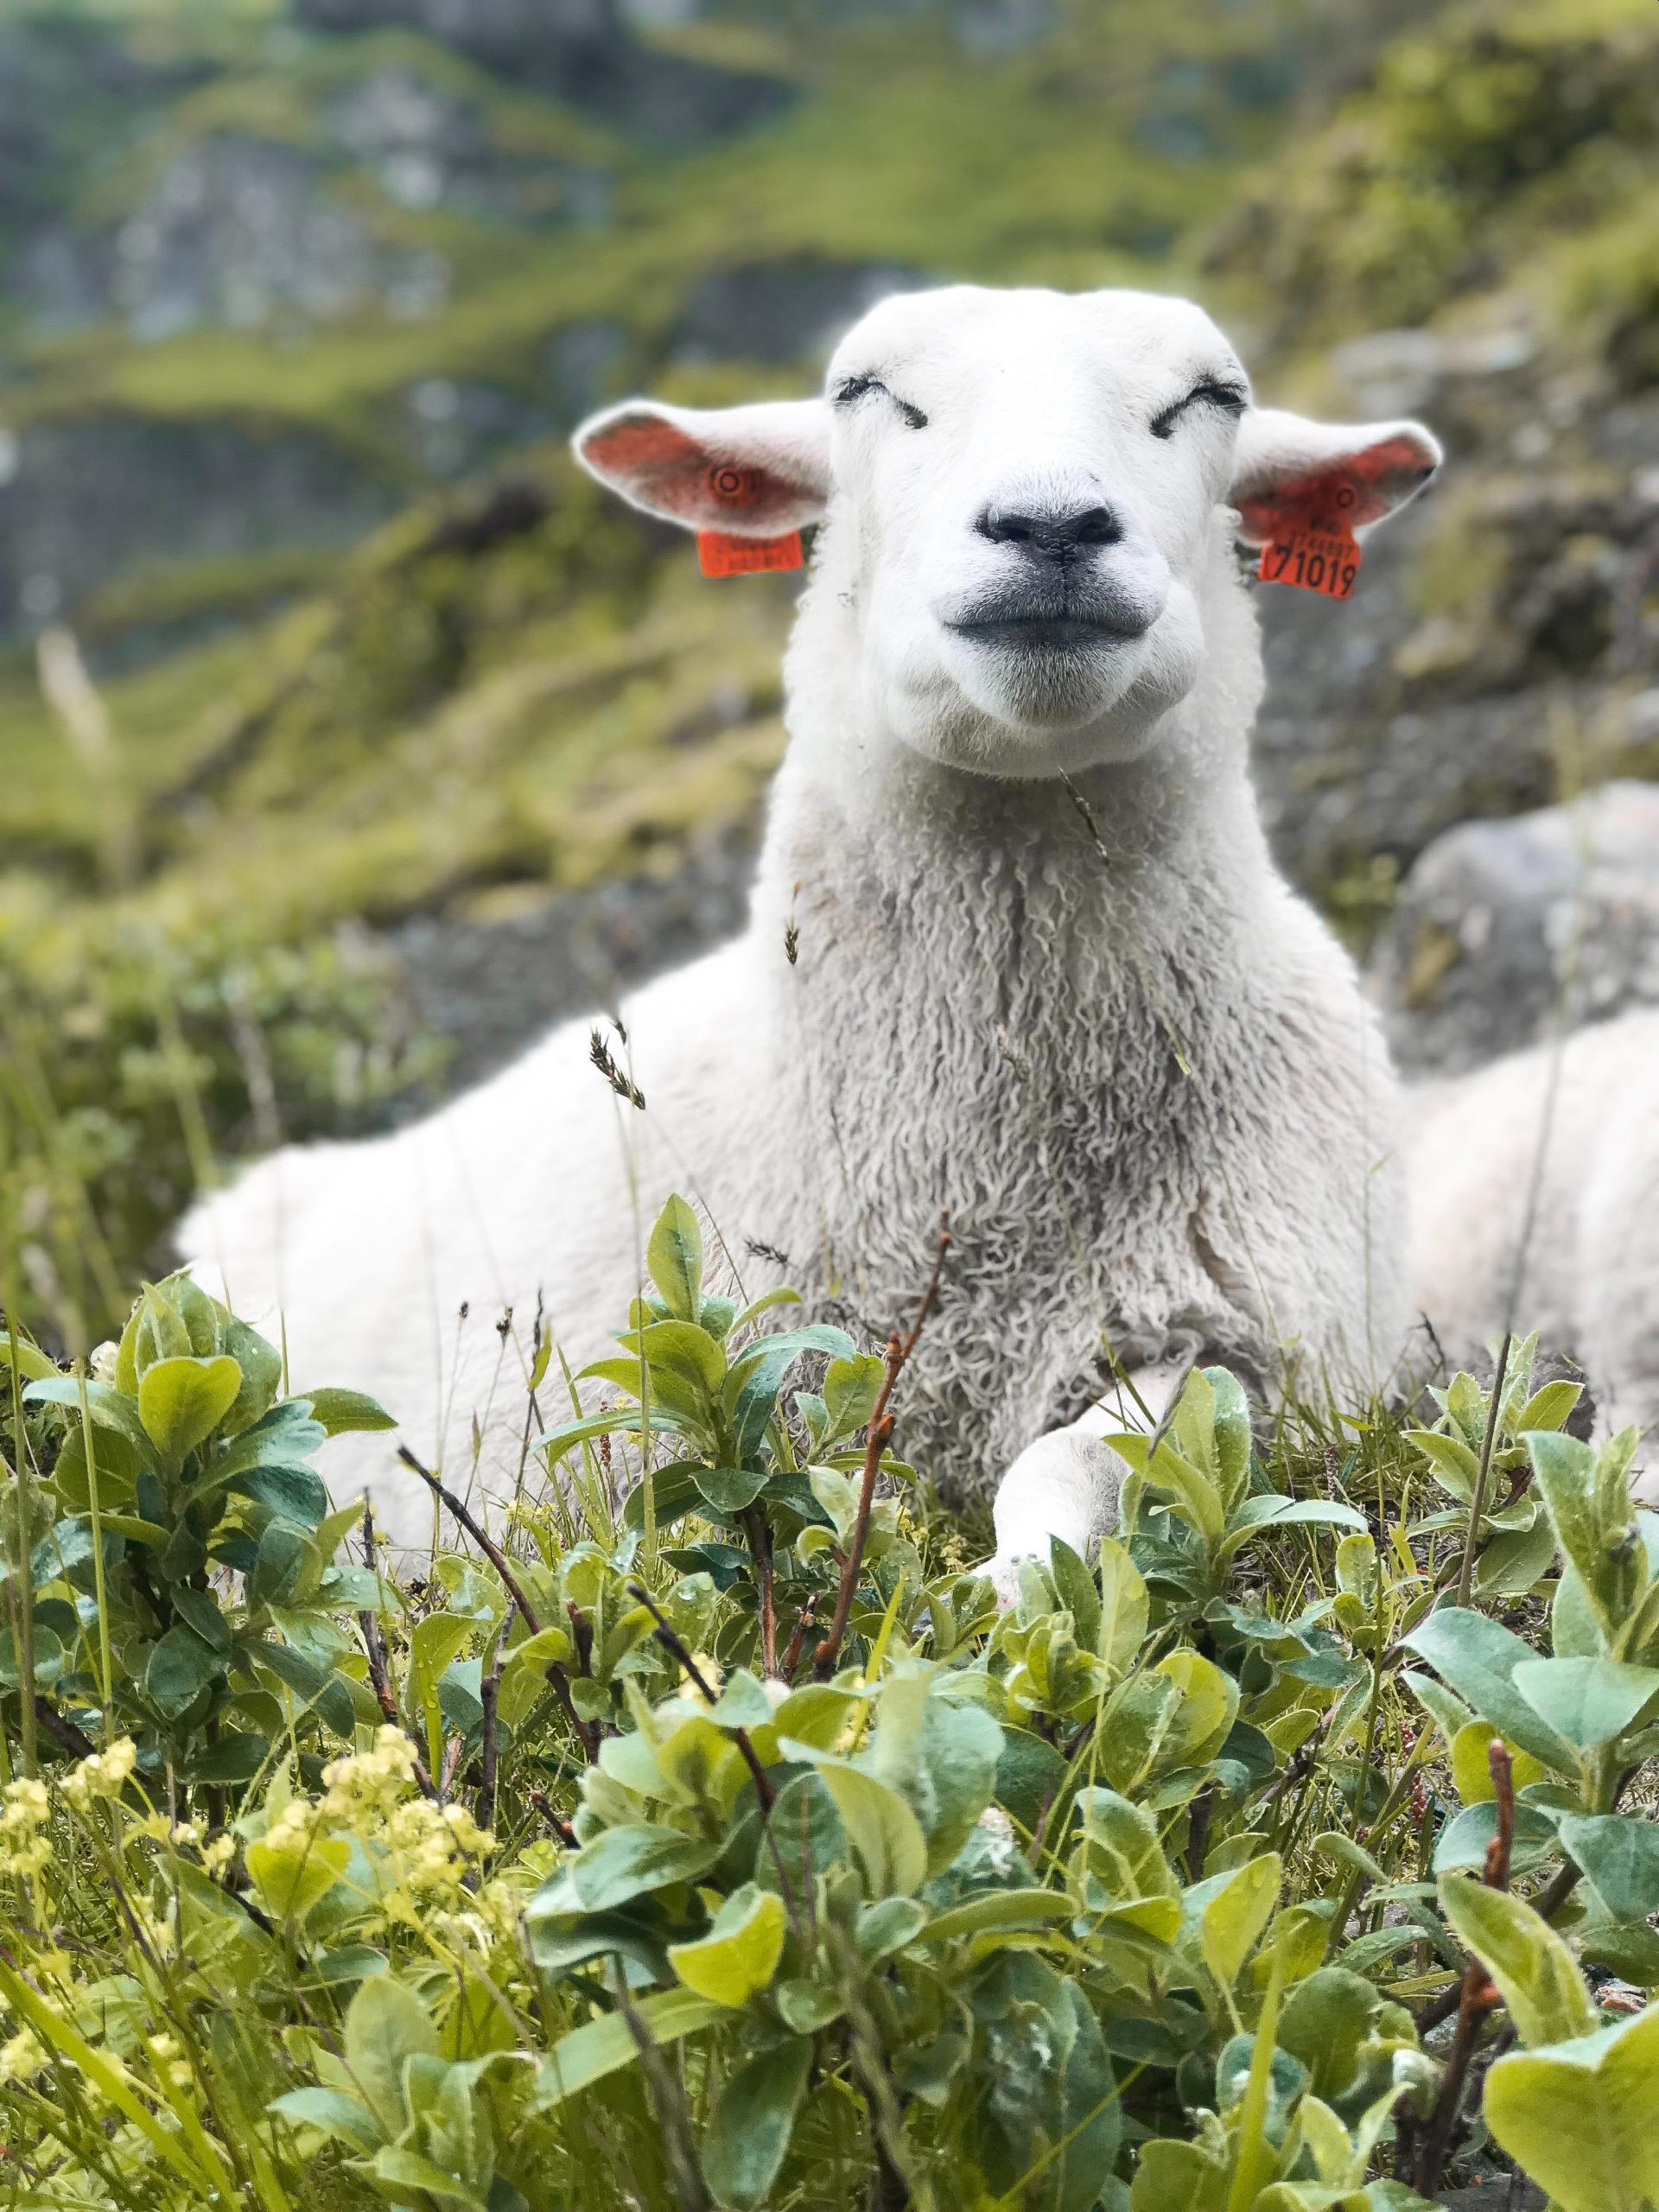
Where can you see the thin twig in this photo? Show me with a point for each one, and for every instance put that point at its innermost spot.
(63, 1731)
(667, 2103)
(798, 1635)
(379, 1671)
(899, 1351)
(758, 1529)
(1478, 1502)
(587, 1733)
(489, 1698)
(1476, 1994)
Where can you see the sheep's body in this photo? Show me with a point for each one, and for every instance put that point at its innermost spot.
(999, 970)
(829, 1109)
(1534, 1187)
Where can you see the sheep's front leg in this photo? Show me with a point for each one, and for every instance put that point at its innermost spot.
(1066, 1484)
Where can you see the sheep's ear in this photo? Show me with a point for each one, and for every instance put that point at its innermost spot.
(1288, 472)
(750, 472)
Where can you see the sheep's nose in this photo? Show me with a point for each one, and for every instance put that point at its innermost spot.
(1049, 534)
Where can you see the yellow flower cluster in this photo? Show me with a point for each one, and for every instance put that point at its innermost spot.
(24, 1850)
(106, 1774)
(370, 1782)
(23, 2058)
(434, 1847)
(429, 1848)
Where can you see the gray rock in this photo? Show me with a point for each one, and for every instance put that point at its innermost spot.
(485, 988)
(787, 310)
(1504, 928)
(84, 501)
(582, 50)
(233, 232)
(455, 428)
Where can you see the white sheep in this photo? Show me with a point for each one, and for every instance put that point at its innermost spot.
(1534, 1187)
(1041, 970)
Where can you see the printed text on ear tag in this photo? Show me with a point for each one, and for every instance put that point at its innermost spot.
(1315, 552)
(719, 555)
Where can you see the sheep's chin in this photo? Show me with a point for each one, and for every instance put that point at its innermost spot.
(1017, 713)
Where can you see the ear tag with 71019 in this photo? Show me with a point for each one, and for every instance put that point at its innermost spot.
(1317, 550)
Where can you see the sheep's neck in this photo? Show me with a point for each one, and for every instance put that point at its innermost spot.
(1016, 894)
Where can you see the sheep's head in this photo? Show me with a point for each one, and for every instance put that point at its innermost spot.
(1030, 498)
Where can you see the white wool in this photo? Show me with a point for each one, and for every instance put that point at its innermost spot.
(1534, 1191)
(1023, 885)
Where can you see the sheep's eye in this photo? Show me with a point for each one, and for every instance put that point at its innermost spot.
(1210, 393)
(855, 388)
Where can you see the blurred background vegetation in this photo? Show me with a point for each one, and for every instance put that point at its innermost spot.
(346, 735)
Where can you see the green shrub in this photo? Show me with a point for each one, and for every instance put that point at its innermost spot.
(729, 1846)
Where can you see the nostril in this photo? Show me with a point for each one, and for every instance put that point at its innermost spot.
(1003, 526)
(1095, 526)
(1051, 535)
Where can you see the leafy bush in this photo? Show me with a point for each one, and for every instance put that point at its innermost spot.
(731, 1847)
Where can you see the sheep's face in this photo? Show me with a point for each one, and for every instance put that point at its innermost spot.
(1030, 497)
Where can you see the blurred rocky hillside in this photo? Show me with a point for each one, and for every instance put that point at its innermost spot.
(393, 725)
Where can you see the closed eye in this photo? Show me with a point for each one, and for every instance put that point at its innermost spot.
(1230, 398)
(853, 388)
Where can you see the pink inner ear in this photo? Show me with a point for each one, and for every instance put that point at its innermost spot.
(1359, 488)
(679, 475)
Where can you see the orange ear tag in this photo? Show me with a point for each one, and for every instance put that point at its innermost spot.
(719, 555)
(1317, 552)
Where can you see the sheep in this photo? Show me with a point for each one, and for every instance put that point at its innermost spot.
(1535, 1189)
(1016, 948)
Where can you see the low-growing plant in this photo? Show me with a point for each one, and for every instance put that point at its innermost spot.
(703, 1834)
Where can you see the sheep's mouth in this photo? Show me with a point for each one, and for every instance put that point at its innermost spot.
(1044, 633)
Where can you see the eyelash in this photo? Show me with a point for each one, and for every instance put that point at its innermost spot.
(855, 388)
(1225, 396)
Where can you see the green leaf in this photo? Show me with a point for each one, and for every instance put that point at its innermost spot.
(406, 2170)
(995, 1910)
(1257, 1514)
(386, 2024)
(674, 1258)
(1326, 2019)
(880, 1827)
(29, 1361)
(623, 1863)
(1078, 1593)
(1028, 1772)
(1229, 1913)
(601, 2046)
(1458, 1468)
(1477, 1658)
(1123, 1606)
(432, 1643)
(740, 1953)
(1548, 1407)
(1178, 2177)
(1618, 1853)
(293, 1875)
(1194, 1497)
(757, 1374)
(748, 2132)
(335, 2113)
(1589, 1701)
(1539, 1978)
(341, 1411)
(295, 1495)
(182, 1400)
(729, 1490)
(179, 1668)
(1578, 2118)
